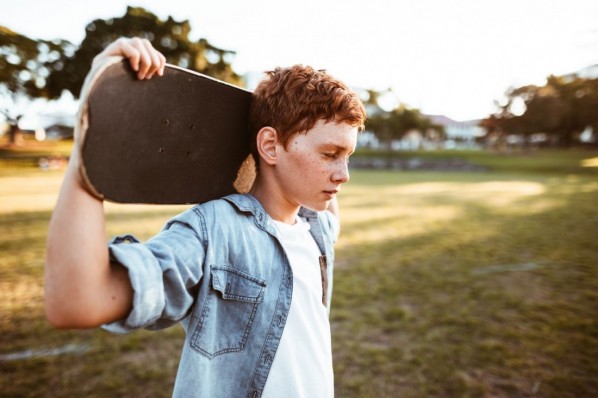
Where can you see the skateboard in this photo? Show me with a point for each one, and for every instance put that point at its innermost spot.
(180, 138)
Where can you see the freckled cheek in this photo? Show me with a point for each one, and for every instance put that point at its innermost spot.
(326, 169)
(312, 163)
(317, 169)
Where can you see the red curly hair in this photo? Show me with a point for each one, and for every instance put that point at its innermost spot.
(292, 100)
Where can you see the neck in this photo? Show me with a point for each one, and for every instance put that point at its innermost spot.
(274, 202)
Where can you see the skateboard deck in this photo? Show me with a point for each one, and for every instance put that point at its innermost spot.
(175, 139)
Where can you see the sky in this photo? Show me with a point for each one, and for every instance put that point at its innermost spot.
(450, 57)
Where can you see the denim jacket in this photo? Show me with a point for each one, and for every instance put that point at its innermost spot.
(220, 270)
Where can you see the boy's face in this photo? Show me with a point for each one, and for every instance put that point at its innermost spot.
(314, 165)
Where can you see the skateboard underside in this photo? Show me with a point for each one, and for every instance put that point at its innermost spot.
(179, 138)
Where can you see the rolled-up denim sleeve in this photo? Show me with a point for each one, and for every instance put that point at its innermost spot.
(164, 272)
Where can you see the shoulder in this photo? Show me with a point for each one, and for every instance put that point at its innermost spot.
(330, 224)
(199, 215)
(230, 210)
(327, 220)
(232, 205)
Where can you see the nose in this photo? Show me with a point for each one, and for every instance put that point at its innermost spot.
(341, 175)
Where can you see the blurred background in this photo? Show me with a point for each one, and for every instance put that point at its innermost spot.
(467, 262)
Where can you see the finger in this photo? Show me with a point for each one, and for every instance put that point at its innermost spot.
(162, 65)
(155, 61)
(125, 48)
(145, 59)
(122, 47)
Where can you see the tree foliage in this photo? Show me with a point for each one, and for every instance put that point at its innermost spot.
(562, 108)
(26, 64)
(43, 69)
(168, 36)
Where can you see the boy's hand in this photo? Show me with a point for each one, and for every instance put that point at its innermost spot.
(143, 57)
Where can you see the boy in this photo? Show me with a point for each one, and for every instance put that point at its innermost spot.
(248, 276)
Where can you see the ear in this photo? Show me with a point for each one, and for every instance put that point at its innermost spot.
(267, 142)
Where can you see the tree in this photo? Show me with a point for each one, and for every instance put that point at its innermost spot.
(25, 65)
(32, 68)
(580, 98)
(393, 125)
(168, 36)
(562, 108)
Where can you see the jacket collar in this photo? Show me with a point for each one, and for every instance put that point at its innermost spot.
(248, 203)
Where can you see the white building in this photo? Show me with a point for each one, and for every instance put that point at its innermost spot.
(459, 134)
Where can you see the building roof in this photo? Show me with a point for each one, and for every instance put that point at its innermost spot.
(447, 121)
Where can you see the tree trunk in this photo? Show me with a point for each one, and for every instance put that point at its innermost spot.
(15, 135)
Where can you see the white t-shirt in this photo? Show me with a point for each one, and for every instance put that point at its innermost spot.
(302, 366)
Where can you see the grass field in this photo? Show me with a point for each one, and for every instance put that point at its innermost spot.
(446, 285)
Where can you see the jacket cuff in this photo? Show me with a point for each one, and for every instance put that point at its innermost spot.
(145, 275)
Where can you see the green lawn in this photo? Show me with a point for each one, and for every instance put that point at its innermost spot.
(454, 285)
(446, 285)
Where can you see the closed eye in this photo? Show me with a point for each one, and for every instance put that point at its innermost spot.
(335, 156)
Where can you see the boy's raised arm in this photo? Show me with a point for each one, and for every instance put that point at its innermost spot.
(82, 288)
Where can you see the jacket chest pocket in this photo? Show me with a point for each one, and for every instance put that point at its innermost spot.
(225, 319)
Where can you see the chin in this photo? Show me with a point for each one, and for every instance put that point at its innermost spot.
(317, 206)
